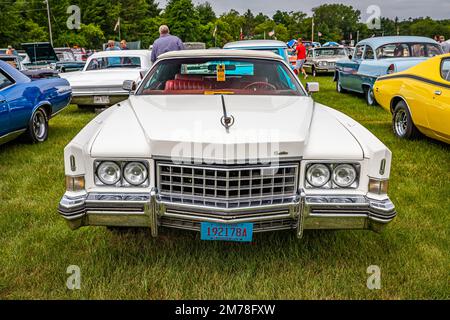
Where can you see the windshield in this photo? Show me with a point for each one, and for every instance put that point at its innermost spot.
(404, 50)
(11, 60)
(114, 62)
(65, 56)
(221, 76)
(329, 52)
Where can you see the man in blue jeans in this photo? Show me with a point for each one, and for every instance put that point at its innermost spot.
(165, 43)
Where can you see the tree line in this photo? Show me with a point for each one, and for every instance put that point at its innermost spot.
(26, 21)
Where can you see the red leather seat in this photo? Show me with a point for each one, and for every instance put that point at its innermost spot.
(187, 85)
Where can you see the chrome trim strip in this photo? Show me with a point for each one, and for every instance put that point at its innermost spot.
(11, 135)
(227, 221)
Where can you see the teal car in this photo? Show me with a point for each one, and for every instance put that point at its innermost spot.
(44, 56)
(378, 56)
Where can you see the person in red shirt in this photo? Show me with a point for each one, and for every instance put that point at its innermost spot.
(301, 57)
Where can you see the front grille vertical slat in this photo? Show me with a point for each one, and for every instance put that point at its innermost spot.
(230, 186)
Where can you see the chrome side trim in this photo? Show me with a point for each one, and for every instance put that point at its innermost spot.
(11, 136)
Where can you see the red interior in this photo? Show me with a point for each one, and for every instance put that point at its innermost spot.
(198, 82)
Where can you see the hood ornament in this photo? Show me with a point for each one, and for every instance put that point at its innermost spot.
(226, 121)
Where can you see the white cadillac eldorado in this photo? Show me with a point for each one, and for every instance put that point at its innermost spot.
(100, 82)
(225, 142)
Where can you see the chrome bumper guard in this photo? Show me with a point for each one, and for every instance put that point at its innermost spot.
(305, 212)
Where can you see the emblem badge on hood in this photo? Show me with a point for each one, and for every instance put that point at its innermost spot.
(227, 121)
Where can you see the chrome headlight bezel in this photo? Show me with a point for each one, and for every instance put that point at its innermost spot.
(122, 182)
(331, 183)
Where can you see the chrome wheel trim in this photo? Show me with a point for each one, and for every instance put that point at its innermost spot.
(39, 125)
(370, 96)
(401, 123)
(339, 87)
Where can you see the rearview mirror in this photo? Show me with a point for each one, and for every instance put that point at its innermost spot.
(129, 85)
(350, 56)
(312, 87)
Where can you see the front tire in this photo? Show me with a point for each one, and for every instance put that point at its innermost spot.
(339, 86)
(314, 72)
(370, 97)
(402, 123)
(37, 127)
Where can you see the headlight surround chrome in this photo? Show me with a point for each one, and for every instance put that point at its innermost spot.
(135, 173)
(131, 173)
(318, 175)
(109, 173)
(344, 175)
(336, 178)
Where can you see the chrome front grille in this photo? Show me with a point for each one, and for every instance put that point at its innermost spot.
(227, 187)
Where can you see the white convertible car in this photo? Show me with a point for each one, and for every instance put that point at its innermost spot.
(227, 143)
(100, 82)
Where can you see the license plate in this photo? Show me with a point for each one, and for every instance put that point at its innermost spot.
(242, 232)
(101, 99)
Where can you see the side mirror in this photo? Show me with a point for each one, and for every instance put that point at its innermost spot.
(129, 85)
(312, 87)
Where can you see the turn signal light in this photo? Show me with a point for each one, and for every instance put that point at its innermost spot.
(378, 186)
(74, 183)
(391, 69)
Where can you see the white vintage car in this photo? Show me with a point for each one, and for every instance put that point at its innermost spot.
(228, 143)
(100, 82)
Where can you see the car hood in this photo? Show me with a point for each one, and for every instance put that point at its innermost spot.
(329, 59)
(181, 126)
(102, 78)
(40, 52)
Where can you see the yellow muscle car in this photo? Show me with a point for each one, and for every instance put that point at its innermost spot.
(419, 99)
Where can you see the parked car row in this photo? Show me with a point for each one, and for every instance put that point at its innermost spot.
(160, 155)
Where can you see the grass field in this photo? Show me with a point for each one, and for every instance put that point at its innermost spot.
(36, 246)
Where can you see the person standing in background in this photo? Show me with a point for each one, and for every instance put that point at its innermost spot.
(123, 45)
(444, 44)
(10, 50)
(301, 57)
(165, 43)
(111, 46)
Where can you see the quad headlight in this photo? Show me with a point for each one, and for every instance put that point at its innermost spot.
(318, 174)
(135, 173)
(332, 175)
(109, 172)
(121, 173)
(344, 175)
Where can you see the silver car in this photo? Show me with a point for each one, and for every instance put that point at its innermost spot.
(323, 59)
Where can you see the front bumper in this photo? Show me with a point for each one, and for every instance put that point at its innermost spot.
(87, 97)
(305, 212)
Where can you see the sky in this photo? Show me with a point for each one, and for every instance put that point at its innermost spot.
(436, 9)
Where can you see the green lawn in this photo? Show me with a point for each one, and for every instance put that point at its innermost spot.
(413, 253)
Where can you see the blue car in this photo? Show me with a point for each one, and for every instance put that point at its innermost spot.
(378, 56)
(27, 105)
